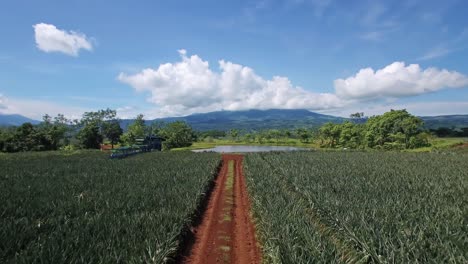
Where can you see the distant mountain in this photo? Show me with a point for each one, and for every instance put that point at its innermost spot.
(252, 119)
(259, 120)
(457, 121)
(285, 118)
(15, 120)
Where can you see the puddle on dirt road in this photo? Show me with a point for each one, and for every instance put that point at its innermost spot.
(243, 149)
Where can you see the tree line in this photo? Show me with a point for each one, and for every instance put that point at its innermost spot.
(396, 129)
(89, 132)
(450, 132)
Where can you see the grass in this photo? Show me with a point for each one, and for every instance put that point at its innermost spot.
(440, 144)
(225, 142)
(437, 144)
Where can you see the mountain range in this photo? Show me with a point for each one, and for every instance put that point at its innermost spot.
(15, 120)
(252, 119)
(258, 120)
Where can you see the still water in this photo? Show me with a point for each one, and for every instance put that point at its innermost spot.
(232, 149)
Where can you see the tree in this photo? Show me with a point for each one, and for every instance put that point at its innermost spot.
(89, 136)
(92, 127)
(53, 132)
(275, 134)
(28, 137)
(357, 115)
(234, 133)
(212, 134)
(351, 135)
(135, 130)
(7, 143)
(302, 134)
(156, 127)
(177, 135)
(113, 131)
(248, 137)
(394, 129)
(98, 117)
(330, 134)
(25, 138)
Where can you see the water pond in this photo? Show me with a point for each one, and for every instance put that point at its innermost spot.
(237, 149)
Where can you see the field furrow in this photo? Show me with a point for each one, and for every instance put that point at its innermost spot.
(226, 233)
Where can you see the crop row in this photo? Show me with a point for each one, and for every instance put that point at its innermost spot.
(379, 207)
(87, 208)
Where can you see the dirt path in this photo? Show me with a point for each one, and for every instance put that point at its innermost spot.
(226, 233)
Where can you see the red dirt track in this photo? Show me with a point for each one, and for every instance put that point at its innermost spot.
(226, 233)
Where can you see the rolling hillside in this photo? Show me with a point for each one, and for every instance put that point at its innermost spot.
(15, 120)
(251, 119)
(259, 119)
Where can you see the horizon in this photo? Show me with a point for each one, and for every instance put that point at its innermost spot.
(161, 60)
(236, 111)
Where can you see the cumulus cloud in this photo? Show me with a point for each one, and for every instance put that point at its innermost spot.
(397, 80)
(2, 102)
(36, 109)
(433, 108)
(51, 39)
(190, 86)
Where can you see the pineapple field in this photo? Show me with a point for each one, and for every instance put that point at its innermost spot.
(278, 207)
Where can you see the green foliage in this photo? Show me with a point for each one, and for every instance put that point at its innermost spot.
(55, 130)
(89, 136)
(330, 134)
(364, 207)
(112, 131)
(135, 130)
(98, 117)
(234, 133)
(53, 133)
(97, 125)
(49, 135)
(394, 130)
(211, 133)
(357, 116)
(177, 134)
(86, 208)
(450, 132)
(303, 134)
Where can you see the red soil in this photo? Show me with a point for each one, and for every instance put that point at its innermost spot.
(106, 147)
(226, 233)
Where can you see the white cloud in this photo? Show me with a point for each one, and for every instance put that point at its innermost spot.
(417, 108)
(129, 112)
(36, 109)
(2, 102)
(397, 80)
(51, 39)
(190, 86)
(435, 53)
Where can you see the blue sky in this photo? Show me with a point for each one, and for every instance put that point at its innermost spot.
(169, 58)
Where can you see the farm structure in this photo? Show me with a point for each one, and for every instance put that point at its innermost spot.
(146, 144)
